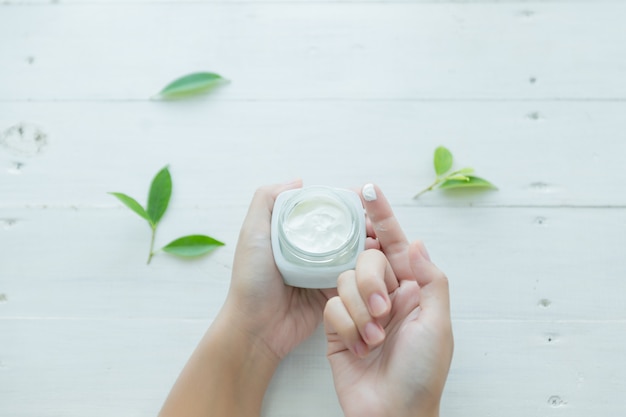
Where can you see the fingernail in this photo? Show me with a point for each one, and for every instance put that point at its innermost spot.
(360, 349)
(373, 333)
(369, 193)
(378, 305)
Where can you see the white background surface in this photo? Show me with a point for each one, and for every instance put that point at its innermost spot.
(531, 94)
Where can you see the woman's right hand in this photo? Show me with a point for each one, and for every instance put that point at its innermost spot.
(389, 332)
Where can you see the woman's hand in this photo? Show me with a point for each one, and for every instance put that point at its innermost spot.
(261, 321)
(389, 332)
(259, 302)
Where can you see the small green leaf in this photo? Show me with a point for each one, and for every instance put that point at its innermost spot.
(472, 181)
(443, 160)
(132, 204)
(459, 177)
(159, 197)
(192, 245)
(463, 171)
(192, 84)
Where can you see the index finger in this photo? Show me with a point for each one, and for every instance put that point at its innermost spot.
(392, 239)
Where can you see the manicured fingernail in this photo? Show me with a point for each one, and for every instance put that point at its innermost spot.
(373, 333)
(360, 349)
(378, 305)
(424, 252)
(369, 193)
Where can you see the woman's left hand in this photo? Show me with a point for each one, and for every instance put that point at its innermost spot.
(273, 313)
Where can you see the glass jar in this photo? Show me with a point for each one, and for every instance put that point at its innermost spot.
(317, 233)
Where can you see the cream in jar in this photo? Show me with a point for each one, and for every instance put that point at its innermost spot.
(317, 233)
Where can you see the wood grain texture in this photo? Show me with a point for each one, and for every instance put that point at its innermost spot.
(538, 154)
(512, 264)
(179, 2)
(126, 367)
(340, 51)
(530, 93)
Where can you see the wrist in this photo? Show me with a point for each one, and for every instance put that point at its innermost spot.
(434, 412)
(428, 414)
(248, 354)
(227, 375)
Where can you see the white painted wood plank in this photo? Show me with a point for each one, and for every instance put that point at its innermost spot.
(543, 264)
(58, 3)
(291, 51)
(87, 329)
(536, 369)
(126, 367)
(538, 154)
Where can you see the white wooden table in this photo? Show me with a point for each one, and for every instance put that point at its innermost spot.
(531, 94)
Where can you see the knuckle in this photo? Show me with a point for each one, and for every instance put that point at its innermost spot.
(374, 254)
(263, 192)
(374, 262)
(331, 306)
(347, 331)
(260, 191)
(344, 278)
(339, 323)
(442, 278)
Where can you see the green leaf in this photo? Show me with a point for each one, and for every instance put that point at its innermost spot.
(443, 160)
(472, 182)
(159, 197)
(459, 177)
(192, 84)
(192, 245)
(463, 171)
(132, 204)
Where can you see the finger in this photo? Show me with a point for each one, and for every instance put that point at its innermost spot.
(369, 228)
(260, 210)
(339, 324)
(435, 292)
(371, 243)
(392, 240)
(367, 326)
(384, 223)
(375, 280)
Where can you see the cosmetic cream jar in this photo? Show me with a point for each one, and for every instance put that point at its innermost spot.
(317, 233)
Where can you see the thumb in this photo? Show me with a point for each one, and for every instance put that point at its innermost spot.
(260, 210)
(435, 292)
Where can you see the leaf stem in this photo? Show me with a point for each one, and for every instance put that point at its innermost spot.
(153, 227)
(429, 188)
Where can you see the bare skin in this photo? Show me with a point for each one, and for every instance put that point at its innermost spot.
(263, 319)
(389, 331)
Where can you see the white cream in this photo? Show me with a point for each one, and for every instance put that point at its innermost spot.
(317, 233)
(369, 192)
(318, 225)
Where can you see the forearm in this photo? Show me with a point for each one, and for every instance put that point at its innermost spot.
(226, 376)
